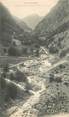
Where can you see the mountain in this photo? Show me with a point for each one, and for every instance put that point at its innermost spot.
(55, 18)
(10, 28)
(32, 20)
(23, 25)
(54, 28)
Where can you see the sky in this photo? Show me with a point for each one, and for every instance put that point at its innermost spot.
(23, 8)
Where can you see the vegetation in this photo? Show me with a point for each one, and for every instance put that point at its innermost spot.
(52, 104)
(2, 83)
(53, 50)
(14, 51)
(11, 91)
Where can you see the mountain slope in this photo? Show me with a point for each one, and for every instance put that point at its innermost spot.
(54, 28)
(9, 28)
(32, 20)
(58, 14)
(23, 25)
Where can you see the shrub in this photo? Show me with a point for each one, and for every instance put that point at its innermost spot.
(53, 50)
(11, 91)
(12, 76)
(14, 51)
(20, 76)
(51, 77)
(6, 68)
(2, 83)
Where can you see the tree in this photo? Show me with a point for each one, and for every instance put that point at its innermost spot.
(11, 91)
(20, 76)
(53, 50)
(13, 51)
(2, 83)
(51, 77)
(6, 68)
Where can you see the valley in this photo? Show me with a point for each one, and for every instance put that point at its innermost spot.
(34, 63)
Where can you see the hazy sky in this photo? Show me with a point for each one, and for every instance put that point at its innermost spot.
(22, 8)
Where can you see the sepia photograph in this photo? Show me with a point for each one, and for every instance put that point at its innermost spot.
(34, 58)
